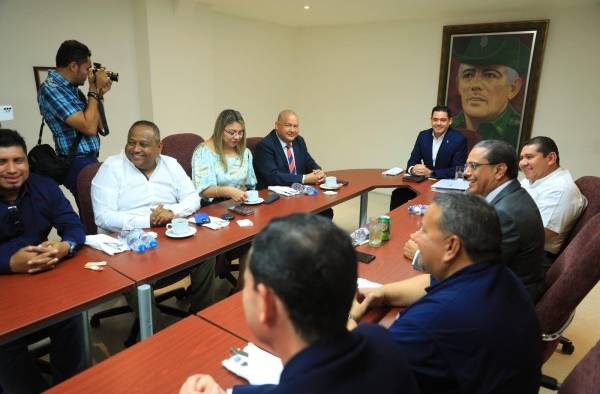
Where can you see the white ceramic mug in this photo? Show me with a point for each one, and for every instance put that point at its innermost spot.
(178, 226)
(330, 181)
(251, 195)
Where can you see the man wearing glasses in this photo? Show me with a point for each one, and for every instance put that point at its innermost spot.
(30, 206)
(491, 170)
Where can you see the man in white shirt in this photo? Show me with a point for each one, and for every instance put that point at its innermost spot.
(140, 188)
(552, 188)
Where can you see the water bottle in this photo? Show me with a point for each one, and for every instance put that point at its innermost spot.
(149, 241)
(137, 240)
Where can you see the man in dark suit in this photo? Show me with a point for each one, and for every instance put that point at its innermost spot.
(437, 153)
(492, 170)
(298, 289)
(282, 158)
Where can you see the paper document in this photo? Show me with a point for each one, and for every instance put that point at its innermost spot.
(363, 283)
(459, 185)
(256, 365)
(393, 171)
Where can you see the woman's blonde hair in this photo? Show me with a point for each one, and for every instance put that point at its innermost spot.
(224, 119)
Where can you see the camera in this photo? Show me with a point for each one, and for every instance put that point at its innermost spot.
(112, 75)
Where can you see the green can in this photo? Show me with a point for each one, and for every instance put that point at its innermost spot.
(387, 227)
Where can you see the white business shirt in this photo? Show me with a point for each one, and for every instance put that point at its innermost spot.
(560, 203)
(435, 145)
(122, 196)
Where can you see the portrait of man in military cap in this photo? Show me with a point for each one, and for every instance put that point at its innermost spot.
(487, 83)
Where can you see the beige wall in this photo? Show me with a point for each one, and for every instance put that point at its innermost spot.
(362, 91)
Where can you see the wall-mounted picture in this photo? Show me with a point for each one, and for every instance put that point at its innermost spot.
(489, 77)
(39, 74)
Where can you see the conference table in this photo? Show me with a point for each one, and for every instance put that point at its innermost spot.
(198, 344)
(33, 302)
(173, 255)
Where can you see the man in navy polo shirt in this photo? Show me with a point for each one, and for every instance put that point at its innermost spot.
(469, 326)
(30, 206)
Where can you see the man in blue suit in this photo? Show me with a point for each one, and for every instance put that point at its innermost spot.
(437, 153)
(282, 158)
(298, 289)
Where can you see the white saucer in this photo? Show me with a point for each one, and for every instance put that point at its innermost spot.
(323, 186)
(192, 230)
(259, 201)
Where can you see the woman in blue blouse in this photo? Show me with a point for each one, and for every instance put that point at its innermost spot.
(222, 166)
(221, 170)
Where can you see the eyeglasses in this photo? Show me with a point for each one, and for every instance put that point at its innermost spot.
(233, 133)
(473, 165)
(14, 216)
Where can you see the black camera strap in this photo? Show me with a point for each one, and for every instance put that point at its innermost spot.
(103, 131)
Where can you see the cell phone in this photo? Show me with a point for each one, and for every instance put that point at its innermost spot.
(201, 218)
(271, 198)
(242, 210)
(227, 216)
(414, 178)
(343, 181)
(364, 257)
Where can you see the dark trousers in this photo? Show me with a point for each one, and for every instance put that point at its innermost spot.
(401, 196)
(79, 162)
(18, 370)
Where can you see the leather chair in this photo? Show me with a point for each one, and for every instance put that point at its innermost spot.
(86, 214)
(181, 146)
(585, 377)
(472, 137)
(590, 188)
(570, 278)
(251, 143)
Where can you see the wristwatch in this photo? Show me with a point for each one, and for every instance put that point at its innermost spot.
(72, 248)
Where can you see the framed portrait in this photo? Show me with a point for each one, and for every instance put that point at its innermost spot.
(489, 77)
(39, 74)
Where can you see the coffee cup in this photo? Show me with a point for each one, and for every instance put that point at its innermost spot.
(178, 226)
(330, 181)
(251, 195)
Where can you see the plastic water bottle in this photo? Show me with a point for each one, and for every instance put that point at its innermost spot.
(137, 240)
(148, 240)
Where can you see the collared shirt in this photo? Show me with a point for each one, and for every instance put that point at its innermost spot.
(123, 197)
(58, 99)
(42, 206)
(560, 203)
(474, 332)
(285, 150)
(435, 145)
(496, 191)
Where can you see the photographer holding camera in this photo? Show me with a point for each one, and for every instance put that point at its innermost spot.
(68, 113)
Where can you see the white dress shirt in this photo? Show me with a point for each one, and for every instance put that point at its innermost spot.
(560, 203)
(122, 196)
(435, 145)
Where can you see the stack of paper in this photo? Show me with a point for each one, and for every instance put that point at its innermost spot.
(393, 171)
(255, 365)
(450, 185)
(283, 190)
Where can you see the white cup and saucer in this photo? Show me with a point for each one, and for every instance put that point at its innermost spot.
(252, 198)
(179, 228)
(330, 183)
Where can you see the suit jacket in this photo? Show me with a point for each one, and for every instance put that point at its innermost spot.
(452, 153)
(271, 165)
(365, 360)
(522, 236)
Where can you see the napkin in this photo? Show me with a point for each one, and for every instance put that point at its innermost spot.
(393, 171)
(284, 190)
(245, 223)
(259, 367)
(105, 243)
(363, 283)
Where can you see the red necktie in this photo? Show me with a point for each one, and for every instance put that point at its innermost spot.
(290, 159)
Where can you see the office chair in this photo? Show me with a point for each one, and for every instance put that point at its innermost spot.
(181, 146)
(585, 377)
(252, 142)
(570, 278)
(86, 214)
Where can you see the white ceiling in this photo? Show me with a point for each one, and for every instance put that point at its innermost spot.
(336, 12)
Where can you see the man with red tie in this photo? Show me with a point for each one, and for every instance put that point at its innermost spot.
(282, 158)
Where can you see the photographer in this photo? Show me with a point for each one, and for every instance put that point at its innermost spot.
(66, 110)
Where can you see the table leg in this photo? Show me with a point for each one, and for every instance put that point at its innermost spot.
(364, 202)
(144, 293)
(87, 342)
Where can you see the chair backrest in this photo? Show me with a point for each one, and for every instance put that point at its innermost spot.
(181, 146)
(472, 137)
(585, 377)
(84, 186)
(252, 142)
(590, 188)
(569, 280)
